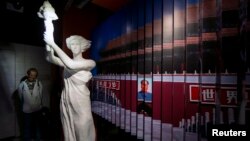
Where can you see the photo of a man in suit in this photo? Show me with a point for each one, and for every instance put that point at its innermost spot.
(144, 97)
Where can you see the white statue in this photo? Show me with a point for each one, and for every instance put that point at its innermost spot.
(75, 104)
(47, 12)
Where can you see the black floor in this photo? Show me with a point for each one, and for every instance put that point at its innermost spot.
(105, 131)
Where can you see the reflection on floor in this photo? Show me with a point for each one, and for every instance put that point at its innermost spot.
(105, 131)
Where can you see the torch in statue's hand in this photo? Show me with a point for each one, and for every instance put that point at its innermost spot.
(47, 12)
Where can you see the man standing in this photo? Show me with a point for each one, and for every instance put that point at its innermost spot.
(144, 98)
(143, 94)
(30, 94)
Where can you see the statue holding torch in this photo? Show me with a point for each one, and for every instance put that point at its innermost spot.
(47, 12)
(75, 105)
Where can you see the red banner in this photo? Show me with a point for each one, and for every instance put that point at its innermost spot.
(110, 84)
(228, 95)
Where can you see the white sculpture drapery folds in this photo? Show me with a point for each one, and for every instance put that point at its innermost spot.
(75, 104)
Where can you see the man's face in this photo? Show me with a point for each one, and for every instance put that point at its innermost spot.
(32, 76)
(144, 86)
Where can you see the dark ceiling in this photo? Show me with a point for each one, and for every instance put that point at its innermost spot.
(110, 5)
(20, 23)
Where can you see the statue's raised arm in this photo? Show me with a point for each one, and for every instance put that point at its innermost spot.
(75, 106)
(47, 12)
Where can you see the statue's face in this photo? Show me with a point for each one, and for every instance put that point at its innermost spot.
(75, 46)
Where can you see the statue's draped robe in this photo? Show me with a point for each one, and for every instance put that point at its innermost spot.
(75, 107)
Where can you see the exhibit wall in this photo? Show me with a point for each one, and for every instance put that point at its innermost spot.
(15, 60)
(194, 55)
